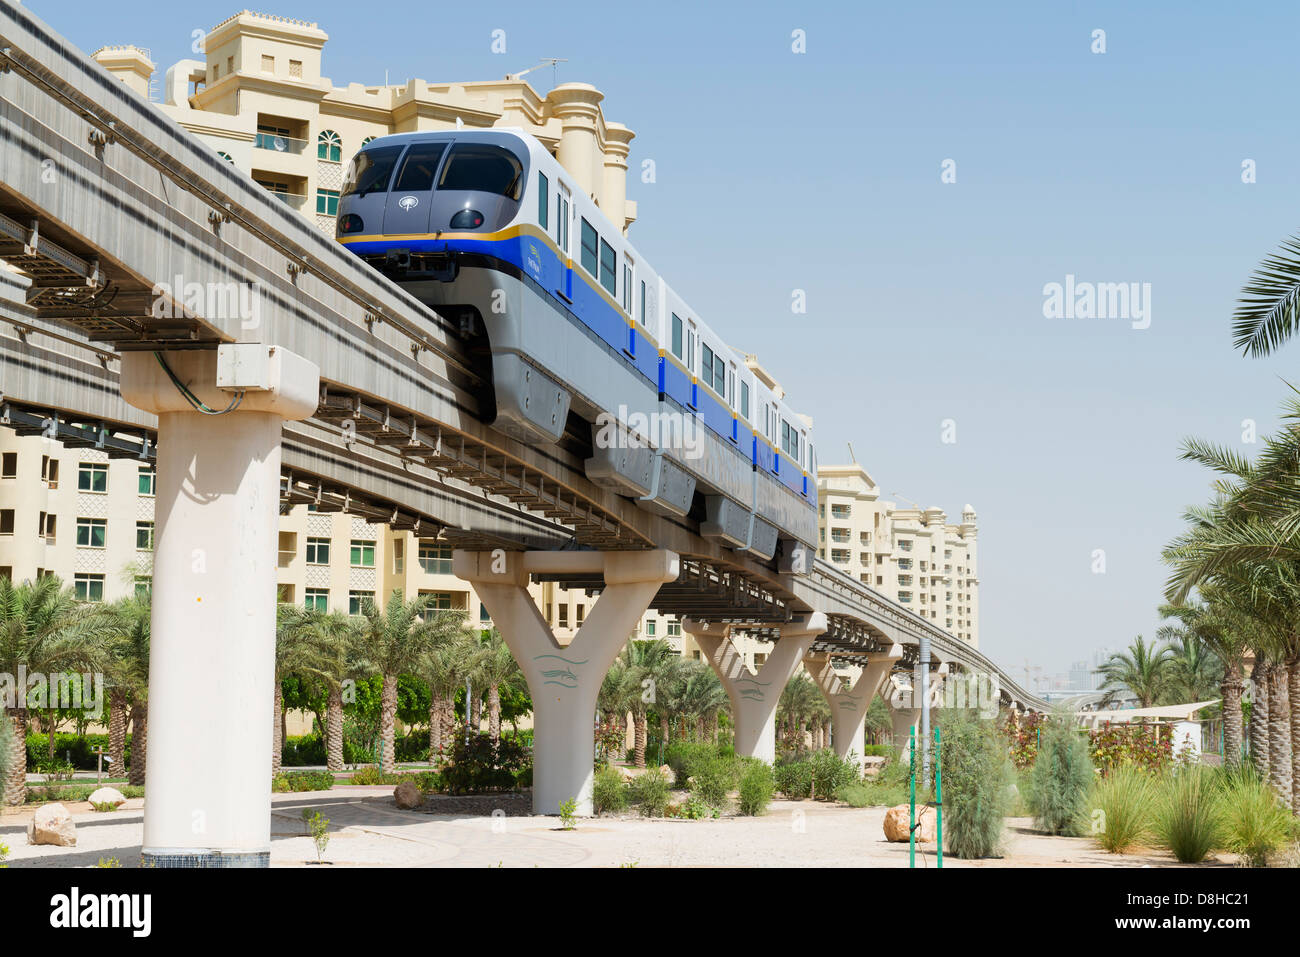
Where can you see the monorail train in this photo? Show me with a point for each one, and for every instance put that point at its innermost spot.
(486, 223)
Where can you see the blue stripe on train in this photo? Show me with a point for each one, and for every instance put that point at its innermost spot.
(540, 262)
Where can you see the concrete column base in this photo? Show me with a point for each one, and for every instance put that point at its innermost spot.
(754, 696)
(849, 703)
(565, 679)
(212, 648)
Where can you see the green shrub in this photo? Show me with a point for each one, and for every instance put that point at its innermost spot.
(430, 782)
(976, 777)
(104, 807)
(1189, 819)
(608, 793)
(649, 791)
(477, 765)
(685, 756)
(877, 750)
(1124, 802)
(569, 814)
(830, 772)
(694, 810)
(37, 794)
(872, 794)
(374, 775)
(794, 779)
(1061, 780)
(712, 778)
(310, 780)
(1256, 823)
(757, 782)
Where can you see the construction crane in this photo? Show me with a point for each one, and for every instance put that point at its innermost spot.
(551, 61)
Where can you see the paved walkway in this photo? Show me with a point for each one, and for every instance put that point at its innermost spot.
(368, 830)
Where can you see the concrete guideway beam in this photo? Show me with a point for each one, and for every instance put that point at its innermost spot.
(212, 649)
(565, 678)
(849, 703)
(755, 695)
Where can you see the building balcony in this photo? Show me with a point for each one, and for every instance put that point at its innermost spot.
(278, 143)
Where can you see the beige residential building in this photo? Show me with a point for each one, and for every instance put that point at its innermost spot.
(912, 555)
(259, 98)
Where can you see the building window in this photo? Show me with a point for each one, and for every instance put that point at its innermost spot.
(563, 620)
(905, 544)
(608, 268)
(316, 599)
(840, 556)
(318, 551)
(7, 521)
(92, 477)
(367, 141)
(50, 471)
(905, 597)
(649, 629)
(839, 511)
(91, 532)
(88, 587)
(327, 202)
(45, 527)
(399, 556)
(9, 465)
(441, 600)
(295, 69)
(839, 534)
(147, 483)
(483, 613)
(143, 587)
(674, 629)
(543, 201)
(359, 602)
(144, 536)
(589, 253)
(904, 564)
(435, 559)
(225, 156)
(363, 554)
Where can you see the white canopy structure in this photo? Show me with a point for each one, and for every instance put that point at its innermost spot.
(1161, 715)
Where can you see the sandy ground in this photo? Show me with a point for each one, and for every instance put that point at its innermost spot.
(367, 830)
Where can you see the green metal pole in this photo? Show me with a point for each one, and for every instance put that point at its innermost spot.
(938, 797)
(911, 818)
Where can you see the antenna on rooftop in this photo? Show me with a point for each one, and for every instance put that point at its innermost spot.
(853, 458)
(552, 61)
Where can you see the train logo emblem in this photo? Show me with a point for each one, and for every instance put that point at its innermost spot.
(409, 202)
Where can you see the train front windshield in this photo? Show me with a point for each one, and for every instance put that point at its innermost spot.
(370, 171)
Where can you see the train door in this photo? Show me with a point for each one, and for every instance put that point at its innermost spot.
(409, 200)
(563, 213)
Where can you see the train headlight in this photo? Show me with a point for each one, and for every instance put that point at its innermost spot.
(350, 223)
(467, 219)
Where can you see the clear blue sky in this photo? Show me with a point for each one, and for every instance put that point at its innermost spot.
(821, 172)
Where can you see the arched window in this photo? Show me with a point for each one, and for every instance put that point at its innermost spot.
(225, 156)
(367, 140)
(329, 146)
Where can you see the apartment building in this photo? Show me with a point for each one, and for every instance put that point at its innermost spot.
(259, 99)
(912, 555)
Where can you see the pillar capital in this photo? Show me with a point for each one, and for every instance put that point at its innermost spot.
(269, 379)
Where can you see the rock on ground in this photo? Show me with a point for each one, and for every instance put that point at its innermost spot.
(52, 824)
(108, 796)
(407, 795)
(896, 823)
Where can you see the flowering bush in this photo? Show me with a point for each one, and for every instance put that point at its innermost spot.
(1150, 747)
(1022, 738)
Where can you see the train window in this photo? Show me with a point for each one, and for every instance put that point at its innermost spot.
(589, 253)
(608, 268)
(543, 199)
(421, 162)
(713, 370)
(370, 170)
(677, 335)
(790, 440)
(643, 302)
(690, 346)
(627, 285)
(487, 169)
(562, 219)
(744, 399)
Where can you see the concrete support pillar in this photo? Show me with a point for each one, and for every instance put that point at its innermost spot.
(577, 105)
(754, 696)
(212, 649)
(565, 679)
(849, 703)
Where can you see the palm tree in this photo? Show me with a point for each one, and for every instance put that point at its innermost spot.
(1193, 666)
(495, 667)
(325, 649)
(1142, 670)
(648, 665)
(702, 698)
(129, 670)
(444, 669)
(305, 645)
(797, 704)
(44, 630)
(398, 640)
